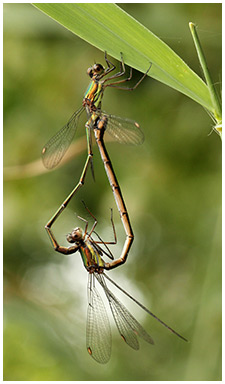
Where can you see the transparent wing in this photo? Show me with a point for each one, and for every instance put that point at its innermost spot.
(145, 309)
(98, 332)
(128, 327)
(57, 146)
(124, 131)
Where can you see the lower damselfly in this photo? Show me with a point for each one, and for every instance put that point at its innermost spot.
(98, 332)
(123, 130)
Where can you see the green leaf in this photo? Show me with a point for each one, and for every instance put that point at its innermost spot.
(109, 28)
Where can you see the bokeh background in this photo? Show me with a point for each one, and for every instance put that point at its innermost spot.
(171, 185)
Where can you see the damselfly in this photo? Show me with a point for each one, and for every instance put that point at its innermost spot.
(124, 130)
(98, 333)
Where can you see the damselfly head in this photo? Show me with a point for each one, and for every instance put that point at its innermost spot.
(95, 70)
(75, 236)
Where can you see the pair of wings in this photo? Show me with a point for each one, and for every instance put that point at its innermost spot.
(123, 130)
(99, 339)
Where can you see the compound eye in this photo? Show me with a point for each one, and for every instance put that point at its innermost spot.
(77, 234)
(90, 72)
(98, 68)
(69, 238)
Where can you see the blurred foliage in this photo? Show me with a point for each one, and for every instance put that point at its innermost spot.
(171, 185)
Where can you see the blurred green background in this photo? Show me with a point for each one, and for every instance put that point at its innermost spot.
(171, 185)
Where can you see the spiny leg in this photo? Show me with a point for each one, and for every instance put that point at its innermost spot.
(120, 73)
(86, 225)
(114, 233)
(94, 225)
(110, 65)
(108, 62)
(106, 243)
(115, 84)
(110, 68)
(95, 220)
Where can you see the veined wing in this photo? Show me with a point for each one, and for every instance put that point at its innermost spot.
(57, 146)
(146, 309)
(128, 327)
(125, 131)
(98, 332)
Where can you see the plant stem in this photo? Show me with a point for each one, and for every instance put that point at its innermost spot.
(214, 97)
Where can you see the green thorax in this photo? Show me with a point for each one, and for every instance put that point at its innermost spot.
(94, 93)
(90, 256)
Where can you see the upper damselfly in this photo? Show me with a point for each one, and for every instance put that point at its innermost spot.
(123, 130)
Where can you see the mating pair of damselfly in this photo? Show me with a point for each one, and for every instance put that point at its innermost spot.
(125, 131)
